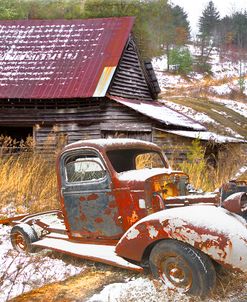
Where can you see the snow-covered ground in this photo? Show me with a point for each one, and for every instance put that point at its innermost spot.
(222, 68)
(137, 290)
(20, 273)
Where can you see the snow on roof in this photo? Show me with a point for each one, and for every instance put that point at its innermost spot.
(60, 58)
(105, 142)
(161, 113)
(206, 135)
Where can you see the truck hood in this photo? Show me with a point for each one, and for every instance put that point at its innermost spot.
(143, 174)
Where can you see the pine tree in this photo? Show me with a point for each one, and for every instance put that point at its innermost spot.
(208, 34)
(209, 20)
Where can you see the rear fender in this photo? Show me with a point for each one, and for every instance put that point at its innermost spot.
(215, 231)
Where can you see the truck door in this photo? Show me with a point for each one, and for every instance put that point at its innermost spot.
(90, 209)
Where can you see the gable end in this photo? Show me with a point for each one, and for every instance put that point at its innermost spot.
(134, 80)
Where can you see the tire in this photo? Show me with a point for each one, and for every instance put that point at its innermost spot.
(22, 236)
(181, 267)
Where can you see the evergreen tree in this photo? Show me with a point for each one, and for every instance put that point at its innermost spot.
(209, 20)
(181, 24)
(239, 25)
(208, 34)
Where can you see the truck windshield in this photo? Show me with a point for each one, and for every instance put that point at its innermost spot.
(134, 159)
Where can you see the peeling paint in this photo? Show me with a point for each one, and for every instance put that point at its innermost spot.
(132, 234)
(152, 232)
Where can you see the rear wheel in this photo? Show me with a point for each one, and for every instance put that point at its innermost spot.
(22, 236)
(182, 267)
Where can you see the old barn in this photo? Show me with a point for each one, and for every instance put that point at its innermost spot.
(65, 80)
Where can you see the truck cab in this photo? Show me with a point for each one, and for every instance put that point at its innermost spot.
(108, 185)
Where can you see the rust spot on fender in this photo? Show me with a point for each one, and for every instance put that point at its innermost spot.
(98, 220)
(93, 196)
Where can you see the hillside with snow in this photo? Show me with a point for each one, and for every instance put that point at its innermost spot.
(215, 100)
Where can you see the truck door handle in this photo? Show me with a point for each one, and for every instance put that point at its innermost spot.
(62, 191)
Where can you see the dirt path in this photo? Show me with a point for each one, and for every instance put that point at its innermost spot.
(77, 288)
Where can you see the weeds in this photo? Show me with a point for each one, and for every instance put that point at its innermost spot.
(28, 179)
(209, 176)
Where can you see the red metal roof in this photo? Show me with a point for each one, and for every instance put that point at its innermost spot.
(46, 59)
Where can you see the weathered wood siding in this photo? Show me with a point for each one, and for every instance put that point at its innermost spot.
(175, 147)
(120, 121)
(58, 122)
(133, 80)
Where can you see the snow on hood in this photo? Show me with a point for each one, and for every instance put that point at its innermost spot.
(143, 174)
(204, 216)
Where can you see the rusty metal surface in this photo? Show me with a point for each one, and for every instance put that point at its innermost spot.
(44, 222)
(104, 209)
(232, 187)
(12, 220)
(210, 229)
(102, 253)
(236, 203)
(107, 208)
(44, 59)
(192, 199)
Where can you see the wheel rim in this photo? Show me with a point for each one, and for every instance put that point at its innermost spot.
(176, 273)
(19, 241)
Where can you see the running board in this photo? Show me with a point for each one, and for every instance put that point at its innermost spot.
(100, 253)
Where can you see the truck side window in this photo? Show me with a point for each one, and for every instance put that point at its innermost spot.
(84, 169)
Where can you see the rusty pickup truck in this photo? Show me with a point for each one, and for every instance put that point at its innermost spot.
(122, 204)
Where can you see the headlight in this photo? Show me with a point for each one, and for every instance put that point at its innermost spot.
(236, 203)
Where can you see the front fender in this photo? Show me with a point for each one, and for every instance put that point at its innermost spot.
(213, 230)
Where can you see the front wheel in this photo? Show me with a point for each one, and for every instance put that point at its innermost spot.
(182, 267)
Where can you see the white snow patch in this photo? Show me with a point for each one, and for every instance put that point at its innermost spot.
(23, 272)
(236, 106)
(221, 90)
(138, 290)
(240, 172)
(197, 116)
(142, 174)
(111, 142)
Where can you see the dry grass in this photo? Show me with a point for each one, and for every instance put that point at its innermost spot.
(208, 178)
(28, 179)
